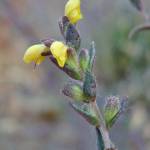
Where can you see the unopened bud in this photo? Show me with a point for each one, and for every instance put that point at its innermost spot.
(74, 90)
(113, 109)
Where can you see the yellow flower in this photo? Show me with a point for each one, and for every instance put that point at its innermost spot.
(73, 11)
(33, 54)
(59, 52)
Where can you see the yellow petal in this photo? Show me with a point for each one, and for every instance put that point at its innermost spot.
(59, 52)
(33, 54)
(73, 11)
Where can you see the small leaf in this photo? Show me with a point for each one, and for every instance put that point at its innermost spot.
(73, 37)
(137, 4)
(92, 52)
(84, 59)
(87, 112)
(89, 86)
(100, 142)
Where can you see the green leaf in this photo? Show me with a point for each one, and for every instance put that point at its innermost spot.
(137, 4)
(87, 112)
(89, 85)
(84, 59)
(92, 52)
(100, 142)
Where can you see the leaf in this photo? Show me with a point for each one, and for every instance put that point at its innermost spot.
(137, 4)
(73, 37)
(87, 112)
(92, 52)
(100, 142)
(89, 85)
(84, 59)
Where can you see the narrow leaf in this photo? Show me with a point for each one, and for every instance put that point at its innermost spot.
(89, 85)
(73, 37)
(87, 112)
(84, 59)
(70, 33)
(92, 52)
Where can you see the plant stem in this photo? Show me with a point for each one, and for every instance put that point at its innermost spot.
(102, 131)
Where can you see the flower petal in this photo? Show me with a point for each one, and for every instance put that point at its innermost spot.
(33, 54)
(59, 52)
(73, 11)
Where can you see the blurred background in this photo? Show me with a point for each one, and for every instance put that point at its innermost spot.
(34, 115)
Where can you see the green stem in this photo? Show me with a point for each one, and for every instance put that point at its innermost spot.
(104, 141)
(100, 142)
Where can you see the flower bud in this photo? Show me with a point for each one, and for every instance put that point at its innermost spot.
(113, 108)
(74, 90)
